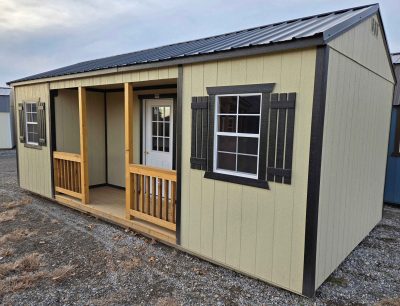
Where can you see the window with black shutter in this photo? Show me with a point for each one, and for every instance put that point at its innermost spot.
(32, 123)
(244, 134)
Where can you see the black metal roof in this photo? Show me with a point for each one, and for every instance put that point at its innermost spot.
(326, 26)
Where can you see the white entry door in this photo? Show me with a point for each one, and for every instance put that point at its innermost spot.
(158, 133)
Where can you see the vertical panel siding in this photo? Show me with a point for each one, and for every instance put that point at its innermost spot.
(363, 47)
(392, 181)
(34, 165)
(260, 232)
(67, 130)
(96, 138)
(67, 121)
(115, 139)
(356, 128)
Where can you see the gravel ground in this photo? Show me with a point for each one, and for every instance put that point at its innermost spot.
(79, 260)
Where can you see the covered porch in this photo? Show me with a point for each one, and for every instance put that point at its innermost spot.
(114, 154)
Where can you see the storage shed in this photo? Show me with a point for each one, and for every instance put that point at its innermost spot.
(392, 183)
(247, 149)
(6, 120)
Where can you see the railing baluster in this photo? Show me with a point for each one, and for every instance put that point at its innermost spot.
(166, 196)
(153, 196)
(173, 197)
(141, 193)
(147, 210)
(159, 198)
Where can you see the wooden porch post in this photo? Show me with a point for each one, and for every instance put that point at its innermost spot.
(128, 92)
(83, 145)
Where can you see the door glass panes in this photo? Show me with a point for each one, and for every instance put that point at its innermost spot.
(161, 128)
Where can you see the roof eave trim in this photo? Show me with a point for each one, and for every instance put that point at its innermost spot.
(290, 45)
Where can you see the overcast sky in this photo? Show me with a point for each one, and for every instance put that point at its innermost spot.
(39, 35)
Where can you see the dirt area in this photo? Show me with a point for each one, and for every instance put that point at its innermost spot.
(52, 255)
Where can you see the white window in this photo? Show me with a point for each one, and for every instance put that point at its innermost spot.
(237, 134)
(32, 135)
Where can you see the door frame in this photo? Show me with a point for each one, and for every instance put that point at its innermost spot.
(142, 114)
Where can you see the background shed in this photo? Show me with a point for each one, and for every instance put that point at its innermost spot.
(6, 119)
(392, 184)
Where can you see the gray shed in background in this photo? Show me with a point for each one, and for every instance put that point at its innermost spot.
(6, 119)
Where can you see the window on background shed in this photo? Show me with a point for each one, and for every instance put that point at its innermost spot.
(31, 119)
(237, 134)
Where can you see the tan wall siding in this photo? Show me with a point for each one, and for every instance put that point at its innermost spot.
(67, 130)
(96, 138)
(260, 232)
(366, 49)
(34, 165)
(115, 139)
(357, 116)
(134, 76)
(67, 121)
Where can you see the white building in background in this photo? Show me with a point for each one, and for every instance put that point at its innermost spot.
(6, 120)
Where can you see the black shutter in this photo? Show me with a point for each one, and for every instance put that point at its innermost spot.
(280, 149)
(21, 116)
(198, 158)
(41, 117)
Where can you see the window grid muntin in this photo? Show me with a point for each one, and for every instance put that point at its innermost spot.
(236, 134)
(31, 112)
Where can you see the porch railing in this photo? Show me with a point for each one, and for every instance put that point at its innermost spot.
(154, 195)
(67, 174)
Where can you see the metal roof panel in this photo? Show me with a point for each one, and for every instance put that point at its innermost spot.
(327, 25)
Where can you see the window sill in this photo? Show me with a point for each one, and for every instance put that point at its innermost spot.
(32, 146)
(237, 180)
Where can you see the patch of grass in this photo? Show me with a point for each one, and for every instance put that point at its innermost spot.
(131, 264)
(17, 203)
(31, 279)
(339, 281)
(21, 282)
(61, 273)
(9, 215)
(16, 235)
(28, 263)
(167, 301)
(6, 252)
(389, 302)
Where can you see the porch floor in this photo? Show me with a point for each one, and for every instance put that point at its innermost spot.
(108, 203)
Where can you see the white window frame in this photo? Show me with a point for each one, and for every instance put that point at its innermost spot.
(30, 122)
(236, 134)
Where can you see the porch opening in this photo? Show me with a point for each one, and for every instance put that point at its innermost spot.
(151, 172)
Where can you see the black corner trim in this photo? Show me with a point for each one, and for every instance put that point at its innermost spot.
(240, 89)
(178, 137)
(314, 171)
(236, 179)
(53, 133)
